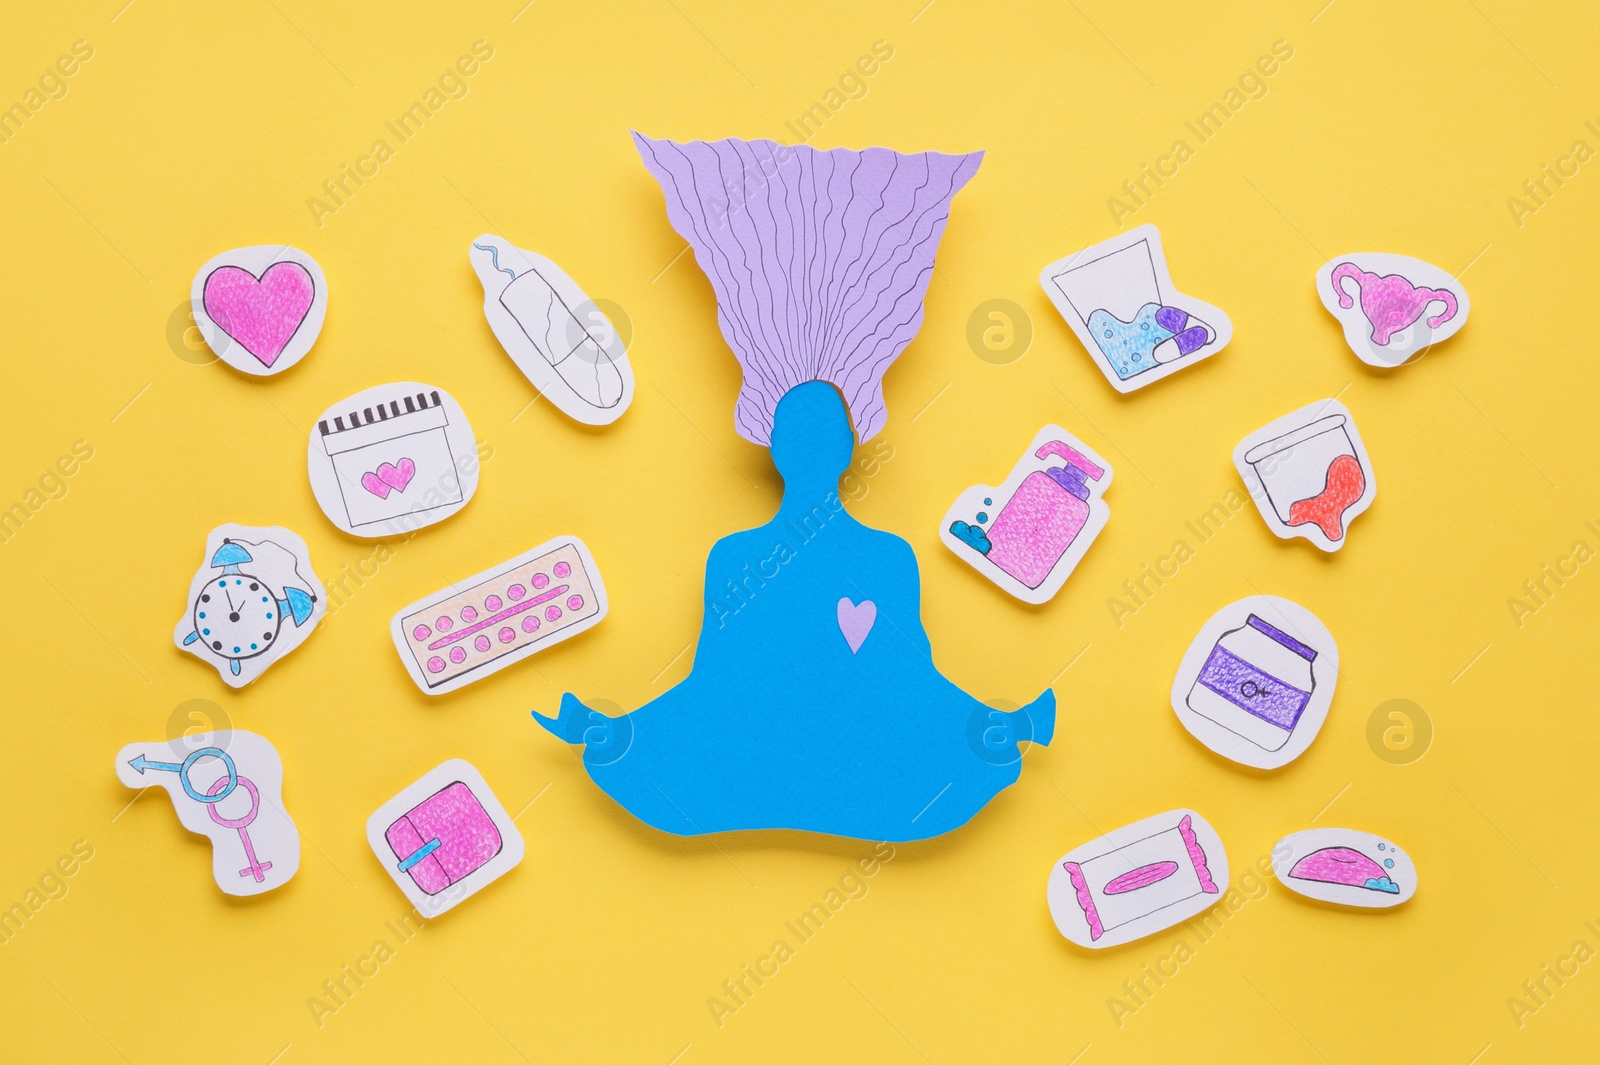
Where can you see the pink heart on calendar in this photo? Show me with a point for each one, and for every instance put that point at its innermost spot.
(856, 620)
(263, 313)
(389, 477)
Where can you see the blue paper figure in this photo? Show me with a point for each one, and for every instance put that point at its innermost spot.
(814, 702)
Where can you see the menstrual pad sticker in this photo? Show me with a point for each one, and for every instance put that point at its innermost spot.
(555, 334)
(1133, 882)
(1118, 297)
(444, 838)
(1029, 534)
(392, 459)
(1345, 867)
(1391, 307)
(496, 618)
(1256, 683)
(1308, 473)
(260, 308)
(228, 787)
(254, 599)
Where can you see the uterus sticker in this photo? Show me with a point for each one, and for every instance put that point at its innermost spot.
(1345, 867)
(1309, 473)
(1138, 880)
(557, 336)
(444, 838)
(486, 622)
(1256, 683)
(260, 308)
(228, 787)
(392, 459)
(1118, 297)
(1028, 535)
(1392, 308)
(254, 599)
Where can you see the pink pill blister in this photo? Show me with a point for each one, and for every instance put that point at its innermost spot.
(498, 617)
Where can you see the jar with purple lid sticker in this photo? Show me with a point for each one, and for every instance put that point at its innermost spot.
(1255, 683)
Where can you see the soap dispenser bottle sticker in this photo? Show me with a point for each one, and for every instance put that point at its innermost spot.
(1028, 535)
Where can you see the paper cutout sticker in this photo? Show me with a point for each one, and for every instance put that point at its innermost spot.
(393, 459)
(1308, 473)
(496, 618)
(1256, 683)
(1044, 517)
(555, 334)
(254, 599)
(260, 308)
(445, 838)
(1392, 307)
(1118, 297)
(1345, 867)
(228, 787)
(1133, 882)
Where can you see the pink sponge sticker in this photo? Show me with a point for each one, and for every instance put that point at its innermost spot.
(445, 837)
(1138, 880)
(260, 308)
(1309, 473)
(1346, 867)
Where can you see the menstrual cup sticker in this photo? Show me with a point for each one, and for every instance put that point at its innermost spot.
(496, 618)
(254, 599)
(228, 787)
(392, 459)
(1256, 683)
(1118, 297)
(1308, 473)
(1029, 534)
(1133, 882)
(260, 308)
(555, 334)
(444, 838)
(1391, 307)
(1346, 867)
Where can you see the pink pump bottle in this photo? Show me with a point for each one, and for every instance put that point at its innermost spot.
(1050, 508)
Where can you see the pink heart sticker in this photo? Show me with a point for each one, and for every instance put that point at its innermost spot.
(261, 314)
(389, 477)
(855, 621)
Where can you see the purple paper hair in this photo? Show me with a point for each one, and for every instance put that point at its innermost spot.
(819, 259)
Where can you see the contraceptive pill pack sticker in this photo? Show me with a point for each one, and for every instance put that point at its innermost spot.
(1133, 882)
(555, 334)
(260, 308)
(1309, 473)
(1346, 867)
(1118, 297)
(1391, 307)
(1029, 534)
(1256, 683)
(493, 619)
(444, 838)
(228, 787)
(254, 599)
(392, 459)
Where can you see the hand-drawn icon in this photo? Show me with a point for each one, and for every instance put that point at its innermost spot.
(1399, 731)
(1391, 307)
(260, 308)
(1118, 297)
(228, 788)
(1256, 683)
(1309, 473)
(1345, 867)
(1130, 883)
(392, 459)
(1045, 517)
(493, 619)
(534, 308)
(253, 581)
(445, 837)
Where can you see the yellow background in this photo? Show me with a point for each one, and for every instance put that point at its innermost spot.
(1397, 127)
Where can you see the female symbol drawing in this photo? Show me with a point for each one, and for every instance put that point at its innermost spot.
(814, 702)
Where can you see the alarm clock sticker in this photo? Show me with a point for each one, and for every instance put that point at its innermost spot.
(254, 599)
